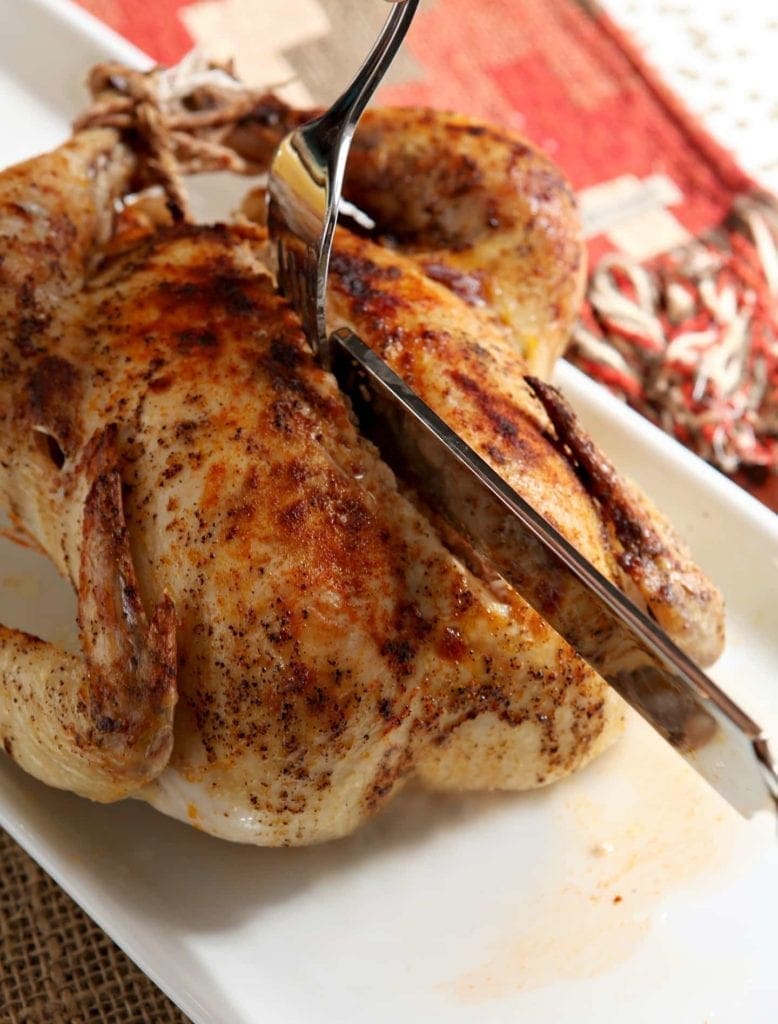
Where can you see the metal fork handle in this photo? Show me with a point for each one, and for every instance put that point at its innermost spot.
(328, 137)
(348, 107)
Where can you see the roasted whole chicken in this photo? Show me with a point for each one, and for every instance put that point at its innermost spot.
(275, 635)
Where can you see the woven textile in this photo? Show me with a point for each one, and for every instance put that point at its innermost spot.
(58, 967)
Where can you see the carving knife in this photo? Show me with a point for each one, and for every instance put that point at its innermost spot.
(625, 646)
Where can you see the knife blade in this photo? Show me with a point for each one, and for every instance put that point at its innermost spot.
(629, 650)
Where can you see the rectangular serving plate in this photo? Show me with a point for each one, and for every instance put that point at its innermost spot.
(630, 892)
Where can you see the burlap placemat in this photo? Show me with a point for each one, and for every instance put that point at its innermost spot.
(58, 966)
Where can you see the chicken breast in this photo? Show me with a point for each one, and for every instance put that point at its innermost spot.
(470, 278)
(274, 636)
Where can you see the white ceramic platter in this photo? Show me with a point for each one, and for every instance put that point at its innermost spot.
(630, 893)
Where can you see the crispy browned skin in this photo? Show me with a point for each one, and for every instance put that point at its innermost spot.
(475, 380)
(329, 642)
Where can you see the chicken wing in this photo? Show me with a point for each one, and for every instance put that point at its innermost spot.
(101, 726)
